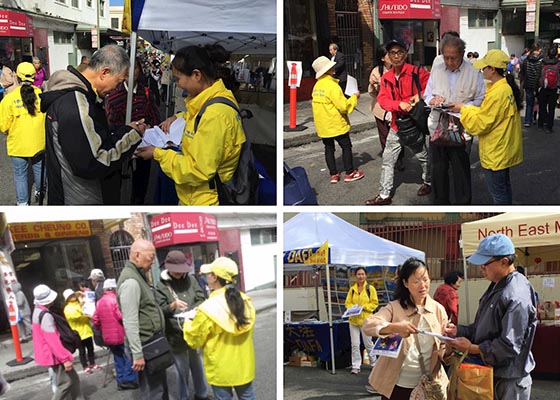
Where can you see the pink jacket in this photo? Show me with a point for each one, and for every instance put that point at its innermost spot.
(47, 346)
(108, 318)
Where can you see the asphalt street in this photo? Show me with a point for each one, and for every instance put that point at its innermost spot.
(535, 181)
(318, 384)
(38, 388)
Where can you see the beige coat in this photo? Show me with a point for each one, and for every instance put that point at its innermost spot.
(373, 90)
(385, 373)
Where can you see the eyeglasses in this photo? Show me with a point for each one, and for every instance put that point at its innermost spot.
(395, 53)
(492, 260)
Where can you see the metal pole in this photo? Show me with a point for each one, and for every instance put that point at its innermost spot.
(537, 18)
(331, 335)
(467, 307)
(98, 27)
(133, 36)
(498, 30)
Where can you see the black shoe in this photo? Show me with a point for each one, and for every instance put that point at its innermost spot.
(127, 386)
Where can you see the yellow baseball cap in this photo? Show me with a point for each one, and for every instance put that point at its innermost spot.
(494, 58)
(223, 267)
(26, 71)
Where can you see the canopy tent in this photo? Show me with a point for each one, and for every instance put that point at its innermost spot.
(240, 26)
(524, 230)
(347, 245)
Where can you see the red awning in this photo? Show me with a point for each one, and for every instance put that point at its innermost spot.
(409, 9)
(15, 24)
(177, 228)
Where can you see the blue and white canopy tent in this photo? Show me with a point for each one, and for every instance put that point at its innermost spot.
(347, 245)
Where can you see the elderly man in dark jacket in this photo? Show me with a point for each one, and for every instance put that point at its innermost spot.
(505, 323)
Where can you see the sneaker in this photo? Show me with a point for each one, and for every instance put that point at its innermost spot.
(96, 367)
(355, 371)
(335, 178)
(88, 370)
(379, 201)
(547, 130)
(527, 125)
(370, 389)
(424, 190)
(354, 176)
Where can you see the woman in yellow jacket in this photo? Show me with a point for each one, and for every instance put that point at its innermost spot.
(361, 294)
(215, 146)
(223, 327)
(497, 123)
(81, 324)
(24, 123)
(330, 114)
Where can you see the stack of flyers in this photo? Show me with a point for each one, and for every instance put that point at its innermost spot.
(389, 346)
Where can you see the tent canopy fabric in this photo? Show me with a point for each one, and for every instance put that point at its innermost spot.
(240, 26)
(524, 230)
(348, 244)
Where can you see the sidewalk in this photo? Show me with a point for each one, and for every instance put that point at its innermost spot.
(262, 300)
(360, 119)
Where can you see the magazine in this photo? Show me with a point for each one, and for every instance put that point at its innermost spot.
(353, 311)
(389, 346)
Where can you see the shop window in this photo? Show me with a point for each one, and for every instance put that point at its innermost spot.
(63, 37)
(481, 18)
(263, 236)
(115, 23)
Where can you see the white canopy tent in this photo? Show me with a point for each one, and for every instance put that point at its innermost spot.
(348, 245)
(524, 229)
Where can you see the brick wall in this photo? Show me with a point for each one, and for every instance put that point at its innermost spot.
(449, 19)
(368, 53)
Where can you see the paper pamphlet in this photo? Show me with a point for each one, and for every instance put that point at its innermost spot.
(440, 337)
(351, 86)
(158, 138)
(186, 314)
(353, 311)
(389, 346)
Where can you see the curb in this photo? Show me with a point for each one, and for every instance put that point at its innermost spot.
(310, 136)
(265, 307)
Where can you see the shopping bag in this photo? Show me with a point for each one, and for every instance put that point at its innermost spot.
(297, 189)
(449, 132)
(469, 381)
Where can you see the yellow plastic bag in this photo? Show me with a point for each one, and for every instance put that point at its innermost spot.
(470, 381)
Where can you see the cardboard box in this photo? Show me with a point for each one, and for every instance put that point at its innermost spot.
(304, 361)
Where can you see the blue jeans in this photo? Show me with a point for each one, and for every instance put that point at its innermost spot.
(183, 361)
(529, 104)
(499, 186)
(123, 365)
(244, 392)
(20, 167)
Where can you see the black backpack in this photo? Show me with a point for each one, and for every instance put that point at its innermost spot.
(243, 187)
(69, 338)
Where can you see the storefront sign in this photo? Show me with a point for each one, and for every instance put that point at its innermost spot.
(175, 228)
(15, 24)
(530, 15)
(49, 230)
(409, 9)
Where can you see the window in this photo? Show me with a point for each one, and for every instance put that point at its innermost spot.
(115, 23)
(90, 3)
(60, 1)
(101, 8)
(263, 236)
(481, 18)
(63, 37)
(75, 3)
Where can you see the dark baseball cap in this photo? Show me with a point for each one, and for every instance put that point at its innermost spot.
(175, 261)
(395, 42)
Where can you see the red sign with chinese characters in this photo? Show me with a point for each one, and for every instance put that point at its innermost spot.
(176, 228)
(409, 9)
(15, 24)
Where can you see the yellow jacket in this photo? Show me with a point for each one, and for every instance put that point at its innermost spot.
(498, 124)
(26, 133)
(331, 108)
(229, 354)
(368, 301)
(215, 146)
(77, 320)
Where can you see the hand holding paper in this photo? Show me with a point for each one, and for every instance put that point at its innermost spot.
(351, 86)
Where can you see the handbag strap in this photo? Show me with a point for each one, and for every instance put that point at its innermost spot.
(416, 80)
(420, 356)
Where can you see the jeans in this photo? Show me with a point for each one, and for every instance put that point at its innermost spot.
(514, 389)
(355, 332)
(123, 365)
(153, 387)
(529, 104)
(244, 392)
(346, 145)
(499, 186)
(20, 167)
(391, 154)
(185, 360)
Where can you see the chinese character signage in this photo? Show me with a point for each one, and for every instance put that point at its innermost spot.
(176, 228)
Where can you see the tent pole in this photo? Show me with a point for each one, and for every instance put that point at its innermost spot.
(467, 307)
(317, 279)
(331, 336)
(133, 36)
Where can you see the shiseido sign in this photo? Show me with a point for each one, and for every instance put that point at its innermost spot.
(409, 9)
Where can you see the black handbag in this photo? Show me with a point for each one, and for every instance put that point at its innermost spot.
(420, 111)
(157, 354)
(408, 132)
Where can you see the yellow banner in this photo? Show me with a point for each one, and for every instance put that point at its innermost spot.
(49, 230)
(321, 256)
(127, 17)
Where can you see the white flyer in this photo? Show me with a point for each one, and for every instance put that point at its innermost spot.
(351, 86)
(158, 138)
(440, 337)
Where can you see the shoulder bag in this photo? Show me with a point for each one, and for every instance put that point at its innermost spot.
(449, 132)
(420, 111)
(427, 388)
